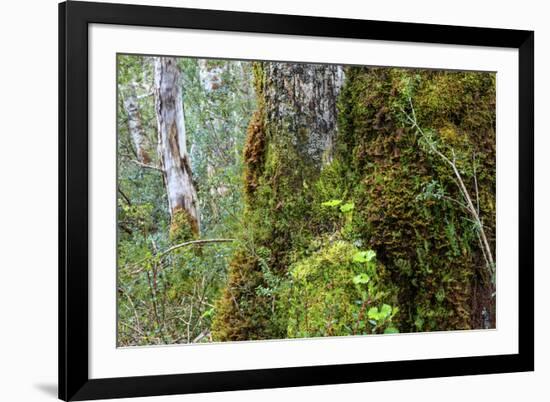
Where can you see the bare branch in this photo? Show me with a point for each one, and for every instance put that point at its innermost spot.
(193, 242)
(144, 165)
(126, 198)
(470, 208)
(203, 334)
(178, 246)
(146, 95)
(475, 183)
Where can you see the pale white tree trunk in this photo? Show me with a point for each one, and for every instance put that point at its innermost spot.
(180, 189)
(139, 139)
(211, 78)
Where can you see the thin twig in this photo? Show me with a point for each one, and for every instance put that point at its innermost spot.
(462, 187)
(177, 246)
(145, 165)
(475, 183)
(126, 198)
(202, 335)
(133, 308)
(193, 242)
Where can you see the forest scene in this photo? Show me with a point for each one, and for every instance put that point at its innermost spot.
(272, 200)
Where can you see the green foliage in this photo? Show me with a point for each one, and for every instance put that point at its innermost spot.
(171, 299)
(373, 242)
(331, 290)
(331, 203)
(347, 207)
(361, 278)
(364, 256)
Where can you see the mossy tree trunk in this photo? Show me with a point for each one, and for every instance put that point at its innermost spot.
(172, 147)
(290, 138)
(407, 198)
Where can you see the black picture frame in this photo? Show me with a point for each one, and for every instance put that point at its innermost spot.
(74, 381)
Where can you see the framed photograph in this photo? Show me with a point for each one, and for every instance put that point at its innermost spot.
(259, 201)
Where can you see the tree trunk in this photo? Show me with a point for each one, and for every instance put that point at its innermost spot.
(301, 99)
(180, 189)
(210, 74)
(290, 139)
(139, 140)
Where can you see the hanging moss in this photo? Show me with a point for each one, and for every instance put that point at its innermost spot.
(254, 153)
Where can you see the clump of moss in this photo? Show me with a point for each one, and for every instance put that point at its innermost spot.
(332, 291)
(242, 313)
(254, 152)
(182, 226)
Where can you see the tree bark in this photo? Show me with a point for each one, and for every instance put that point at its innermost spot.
(172, 148)
(290, 139)
(139, 139)
(301, 99)
(211, 75)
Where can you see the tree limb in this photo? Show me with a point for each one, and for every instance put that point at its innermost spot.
(193, 242)
(144, 165)
(178, 246)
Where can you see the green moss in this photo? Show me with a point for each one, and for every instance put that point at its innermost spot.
(332, 290)
(182, 226)
(428, 245)
(278, 185)
(255, 146)
(254, 153)
(243, 313)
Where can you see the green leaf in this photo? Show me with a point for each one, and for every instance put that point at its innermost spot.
(331, 203)
(391, 330)
(364, 256)
(347, 207)
(373, 313)
(361, 278)
(385, 311)
(440, 295)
